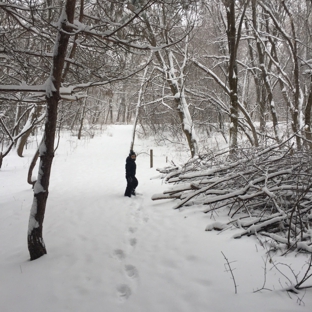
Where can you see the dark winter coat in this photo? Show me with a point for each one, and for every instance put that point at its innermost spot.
(130, 167)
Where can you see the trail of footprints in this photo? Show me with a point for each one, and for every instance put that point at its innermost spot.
(124, 290)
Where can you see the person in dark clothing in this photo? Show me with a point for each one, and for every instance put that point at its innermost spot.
(132, 181)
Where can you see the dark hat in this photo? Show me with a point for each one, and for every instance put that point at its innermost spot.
(132, 153)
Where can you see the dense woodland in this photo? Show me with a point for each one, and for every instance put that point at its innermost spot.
(179, 71)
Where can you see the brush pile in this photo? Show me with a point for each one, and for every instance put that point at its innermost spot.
(264, 192)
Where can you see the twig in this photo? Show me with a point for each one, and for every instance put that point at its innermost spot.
(229, 268)
(265, 274)
(306, 276)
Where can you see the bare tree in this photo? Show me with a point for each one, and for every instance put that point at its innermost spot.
(171, 65)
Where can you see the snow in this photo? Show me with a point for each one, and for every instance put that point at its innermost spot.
(110, 253)
(33, 223)
(49, 86)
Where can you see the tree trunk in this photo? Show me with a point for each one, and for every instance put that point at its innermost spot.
(21, 142)
(269, 95)
(232, 72)
(17, 118)
(31, 168)
(36, 244)
(84, 107)
(177, 90)
(121, 115)
(139, 103)
(297, 111)
(307, 118)
(233, 36)
(109, 112)
(259, 83)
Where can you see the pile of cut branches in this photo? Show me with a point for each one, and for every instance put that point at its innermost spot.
(265, 192)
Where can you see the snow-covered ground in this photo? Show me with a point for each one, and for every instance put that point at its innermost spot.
(110, 253)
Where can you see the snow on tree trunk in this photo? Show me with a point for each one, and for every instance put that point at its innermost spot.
(176, 83)
(187, 122)
(36, 244)
(177, 89)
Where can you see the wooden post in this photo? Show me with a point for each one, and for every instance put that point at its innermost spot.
(151, 158)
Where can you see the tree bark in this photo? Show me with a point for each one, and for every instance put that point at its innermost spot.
(36, 244)
(307, 118)
(232, 72)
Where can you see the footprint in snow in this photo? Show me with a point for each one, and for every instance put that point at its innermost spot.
(119, 254)
(124, 291)
(132, 229)
(131, 271)
(133, 241)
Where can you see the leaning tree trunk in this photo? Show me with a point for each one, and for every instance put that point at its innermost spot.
(176, 85)
(28, 128)
(139, 103)
(36, 244)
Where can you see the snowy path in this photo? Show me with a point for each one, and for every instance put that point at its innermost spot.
(110, 253)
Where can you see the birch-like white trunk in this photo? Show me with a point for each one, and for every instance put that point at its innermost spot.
(176, 84)
(139, 103)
